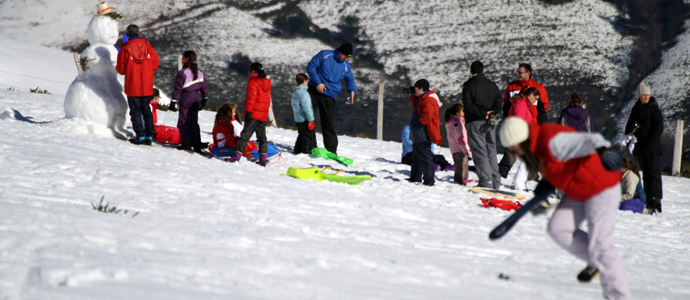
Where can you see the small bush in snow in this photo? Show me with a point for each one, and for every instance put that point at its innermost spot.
(110, 210)
(38, 90)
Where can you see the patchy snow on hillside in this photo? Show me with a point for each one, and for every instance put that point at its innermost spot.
(438, 39)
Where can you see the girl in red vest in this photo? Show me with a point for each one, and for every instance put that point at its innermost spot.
(580, 165)
(256, 112)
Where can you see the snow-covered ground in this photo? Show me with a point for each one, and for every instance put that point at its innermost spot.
(207, 229)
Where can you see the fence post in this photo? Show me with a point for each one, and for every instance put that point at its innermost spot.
(379, 118)
(678, 148)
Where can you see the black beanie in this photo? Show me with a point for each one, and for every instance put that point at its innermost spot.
(346, 49)
(422, 84)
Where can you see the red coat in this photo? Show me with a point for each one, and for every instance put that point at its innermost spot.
(522, 108)
(428, 115)
(515, 87)
(224, 136)
(137, 60)
(258, 98)
(580, 178)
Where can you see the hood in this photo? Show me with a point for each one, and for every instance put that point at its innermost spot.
(576, 112)
(264, 84)
(138, 49)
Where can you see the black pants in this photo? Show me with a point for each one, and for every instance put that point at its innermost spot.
(506, 163)
(306, 139)
(250, 127)
(423, 163)
(438, 159)
(326, 107)
(139, 109)
(650, 165)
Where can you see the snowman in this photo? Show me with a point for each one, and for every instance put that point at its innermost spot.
(97, 95)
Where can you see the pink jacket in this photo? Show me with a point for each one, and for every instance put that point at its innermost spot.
(457, 135)
(521, 108)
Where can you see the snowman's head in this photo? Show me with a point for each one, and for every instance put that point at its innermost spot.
(103, 30)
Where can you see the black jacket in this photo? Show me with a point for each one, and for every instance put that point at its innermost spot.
(480, 95)
(651, 122)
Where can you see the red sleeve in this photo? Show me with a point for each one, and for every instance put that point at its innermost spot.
(544, 97)
(155, 62)
(121, 61)
(428, 116)
(154, 108)
(252, 95)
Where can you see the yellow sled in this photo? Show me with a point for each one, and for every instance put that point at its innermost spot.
(314, 174)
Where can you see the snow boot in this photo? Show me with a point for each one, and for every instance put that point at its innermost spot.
(197, 149)
(588, 274)
(137, 141)
(262, 159)
(235, 157)
(148, 140)
(653, 206)
(184, 146)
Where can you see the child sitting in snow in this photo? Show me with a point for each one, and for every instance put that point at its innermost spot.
(457, 141)
(304, 116)
(162, 134)
(227, 129)
(631, 187)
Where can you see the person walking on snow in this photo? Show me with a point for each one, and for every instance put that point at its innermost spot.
(424, 130)
(189, 82)
(482, 100)
(582, 167)
(325, 71)
(137, 61)
(256, 113)
(303, 112)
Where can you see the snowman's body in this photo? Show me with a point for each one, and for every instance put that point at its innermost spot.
(97, 95)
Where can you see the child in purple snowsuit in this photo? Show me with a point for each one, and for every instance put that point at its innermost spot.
(189, 82)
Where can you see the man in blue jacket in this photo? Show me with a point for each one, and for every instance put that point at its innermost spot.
(325, 71)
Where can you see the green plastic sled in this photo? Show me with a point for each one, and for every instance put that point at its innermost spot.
(322, 152)
(317, 175)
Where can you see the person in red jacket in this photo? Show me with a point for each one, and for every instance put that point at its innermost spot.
(581, 166)
(162, 134)
(424, 130)
(256, 108)
(227, 129)
(137, 61)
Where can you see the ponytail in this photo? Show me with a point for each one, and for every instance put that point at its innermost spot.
(259, 69)
(191, 62)
(451, 111)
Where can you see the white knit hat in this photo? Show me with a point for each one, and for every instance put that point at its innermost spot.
(513, 131)
(643, 90)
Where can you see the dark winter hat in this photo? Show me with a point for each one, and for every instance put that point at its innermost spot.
(132, 31)
(346, 49)
(422, 84)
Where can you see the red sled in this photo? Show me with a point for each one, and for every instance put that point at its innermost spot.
(502, 204)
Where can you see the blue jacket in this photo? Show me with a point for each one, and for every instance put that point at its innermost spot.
(301, 105)
(327, 68)
(407, 142)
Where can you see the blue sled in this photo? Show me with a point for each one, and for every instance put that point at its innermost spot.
(228, 151)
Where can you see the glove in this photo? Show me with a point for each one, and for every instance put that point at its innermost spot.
(311, 125)
(173, 105)
(611, 160)
(544, 187)
(203, 103)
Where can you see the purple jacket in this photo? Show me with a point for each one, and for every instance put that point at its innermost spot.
(187, 88)
(577, 118)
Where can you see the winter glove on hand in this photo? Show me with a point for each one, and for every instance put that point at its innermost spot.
(611, 160)
(203, 103)
(311, 125)
(173, 106)
(544, 187)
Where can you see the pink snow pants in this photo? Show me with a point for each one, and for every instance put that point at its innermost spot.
(596, 245)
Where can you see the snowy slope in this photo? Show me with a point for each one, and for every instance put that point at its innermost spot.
(207, 229)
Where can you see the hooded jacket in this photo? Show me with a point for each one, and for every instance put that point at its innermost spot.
(424, 124)
(522, 108)
(651, 122)
(577, 118)
(327, 68)
(137, 61)
(258, 98)
(302, 108)
(457, 135)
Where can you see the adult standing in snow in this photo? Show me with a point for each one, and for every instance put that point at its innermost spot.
(524, 78)
(580, 165)
(482, 100)
(189, 82)
(137, 61)
(325, 71)
(576, 116)
(646, 114)
(424, 130)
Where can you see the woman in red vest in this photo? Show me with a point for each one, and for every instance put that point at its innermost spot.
(580, 165)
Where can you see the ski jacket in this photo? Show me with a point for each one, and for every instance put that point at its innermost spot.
(258, 98)
(577, 118)
(302, 108)
(521, 108)
(515, 87)
(327, 68)
(457, 135)
(424, 123)
(137, 61)
(187, 88)
(570, 161)
(166, 134)
(480, 95)
(651, 122)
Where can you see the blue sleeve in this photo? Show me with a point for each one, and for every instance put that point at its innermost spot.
(350, 80)
(307, 107)
(312, 67)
